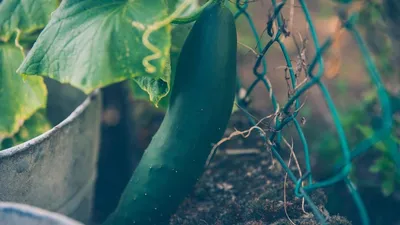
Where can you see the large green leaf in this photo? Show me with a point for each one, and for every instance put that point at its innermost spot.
(20, 97)
(27, 16)
(93, 43)
(36, 125)
(179, 34)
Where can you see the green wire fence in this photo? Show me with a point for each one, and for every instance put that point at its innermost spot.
(289, 112)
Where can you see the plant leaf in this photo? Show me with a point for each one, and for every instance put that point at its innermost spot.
(36, 125)
(26, 15)
(173, 4)
(368, 131)
(388, 187)
(94, 43)
(19, 97)
(375, 168)
(179, 34)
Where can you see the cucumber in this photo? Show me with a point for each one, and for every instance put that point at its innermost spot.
(200, 106)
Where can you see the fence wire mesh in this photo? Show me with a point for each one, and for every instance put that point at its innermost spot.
(277, 28)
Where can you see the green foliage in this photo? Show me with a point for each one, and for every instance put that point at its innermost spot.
(179, 34)
(93, 43)
(359, 123)
(36, 125)
(384, 164)
(24, 16)
(372, 19)
(20, 97)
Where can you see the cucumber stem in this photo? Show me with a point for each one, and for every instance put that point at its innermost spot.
(193, 17)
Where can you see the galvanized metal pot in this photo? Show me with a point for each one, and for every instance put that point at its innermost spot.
(56, 171)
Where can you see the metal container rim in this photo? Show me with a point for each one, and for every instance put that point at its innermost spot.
(42, 137)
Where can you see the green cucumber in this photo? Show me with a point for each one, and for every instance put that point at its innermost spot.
(200, 106)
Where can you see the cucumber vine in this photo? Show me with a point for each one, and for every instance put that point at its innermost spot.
(153, 27)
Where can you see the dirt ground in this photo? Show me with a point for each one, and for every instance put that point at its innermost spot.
(246, 189)
(244, 185)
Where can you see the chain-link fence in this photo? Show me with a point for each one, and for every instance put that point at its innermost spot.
(314, 70)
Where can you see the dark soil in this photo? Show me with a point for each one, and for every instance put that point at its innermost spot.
(248, 189)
